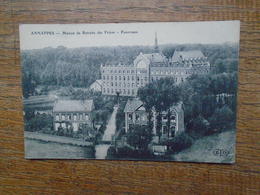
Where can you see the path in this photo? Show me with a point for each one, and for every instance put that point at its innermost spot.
(101, 150)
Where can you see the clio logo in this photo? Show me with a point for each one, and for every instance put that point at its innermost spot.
(221, 152)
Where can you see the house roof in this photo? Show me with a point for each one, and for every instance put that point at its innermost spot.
(99, 82)
(132, 105)
(39, 99)
(185, 55)
(73, 106)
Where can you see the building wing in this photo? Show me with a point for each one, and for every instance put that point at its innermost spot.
(187, 55)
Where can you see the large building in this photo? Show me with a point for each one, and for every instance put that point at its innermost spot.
(126, 79)
(70, 114)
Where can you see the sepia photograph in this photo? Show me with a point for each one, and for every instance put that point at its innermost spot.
(162, 91)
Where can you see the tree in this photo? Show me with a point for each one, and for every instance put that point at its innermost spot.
(161, 95)
(199, 126)
(180, 142)
(222, 118)
(139, 137)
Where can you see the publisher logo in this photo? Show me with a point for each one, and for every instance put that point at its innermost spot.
(221, 152)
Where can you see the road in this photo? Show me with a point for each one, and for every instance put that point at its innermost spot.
(101, 150)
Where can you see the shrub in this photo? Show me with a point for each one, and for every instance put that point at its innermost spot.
(222, 119)
(180, 142)
(125, 152)
(199, 126)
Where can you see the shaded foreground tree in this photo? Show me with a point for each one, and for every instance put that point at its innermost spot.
(139, 137)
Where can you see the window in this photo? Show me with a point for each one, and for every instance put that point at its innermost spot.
(112, 84)
(111, 77)
(57, 117)
(62, 117)
(124, 78)
(164, 129)
(133, 91)
(119, 78)
(80, 117)
(86, 116)
(74, 117)
(115, 77)
(133, 77)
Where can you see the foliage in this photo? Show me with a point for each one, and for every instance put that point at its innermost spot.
(199, 126)
(203, 96)
(39, 122)
(120, 115)
(222, 118)
(139, 137)
(179, 142)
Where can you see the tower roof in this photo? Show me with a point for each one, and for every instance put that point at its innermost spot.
(156, 48)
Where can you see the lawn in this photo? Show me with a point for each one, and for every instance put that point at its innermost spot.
(218, 148)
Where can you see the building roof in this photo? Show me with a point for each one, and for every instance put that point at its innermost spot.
(99, 82)
(149, 59)
(187, 55)
(133, 105)
(155, 57)
(39, 99)
(73, 106)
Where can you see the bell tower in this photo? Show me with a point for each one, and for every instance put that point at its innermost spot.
(156, 48)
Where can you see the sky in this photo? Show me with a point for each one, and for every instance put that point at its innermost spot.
(36, 36)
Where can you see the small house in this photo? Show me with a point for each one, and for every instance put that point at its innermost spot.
(69, 114)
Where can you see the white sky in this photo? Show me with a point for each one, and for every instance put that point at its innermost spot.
(167, 32)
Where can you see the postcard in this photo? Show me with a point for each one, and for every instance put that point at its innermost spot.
(164, 91)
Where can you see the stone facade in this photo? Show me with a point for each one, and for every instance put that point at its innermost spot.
(126, 79)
